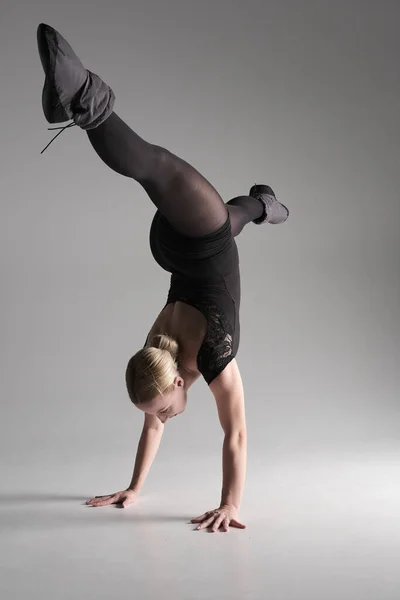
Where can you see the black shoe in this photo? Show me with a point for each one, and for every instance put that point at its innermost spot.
(70, 91)
(274, 212)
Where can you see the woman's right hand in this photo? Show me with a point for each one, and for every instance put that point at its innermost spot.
(125, 498)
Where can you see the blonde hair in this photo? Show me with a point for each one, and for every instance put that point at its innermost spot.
(152, 370)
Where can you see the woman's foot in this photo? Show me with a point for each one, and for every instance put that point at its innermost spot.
(274, 212)
(70, 91)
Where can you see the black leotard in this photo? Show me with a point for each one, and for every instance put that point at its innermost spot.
(204, 274)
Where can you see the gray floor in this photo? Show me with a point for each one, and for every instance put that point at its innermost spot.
(325, 527)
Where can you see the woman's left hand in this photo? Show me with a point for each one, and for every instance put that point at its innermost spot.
(223, 517)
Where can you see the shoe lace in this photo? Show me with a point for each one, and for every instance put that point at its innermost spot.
(57, 134)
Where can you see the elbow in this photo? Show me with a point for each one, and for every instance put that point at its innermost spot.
(237, 437)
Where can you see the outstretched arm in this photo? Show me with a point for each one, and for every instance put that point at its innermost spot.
(146, 452)
(147, 449)
(227, 389)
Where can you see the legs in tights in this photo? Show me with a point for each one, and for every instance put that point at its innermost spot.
(243, 210)
(182, 195)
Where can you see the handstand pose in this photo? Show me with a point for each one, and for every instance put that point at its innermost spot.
(192, 237)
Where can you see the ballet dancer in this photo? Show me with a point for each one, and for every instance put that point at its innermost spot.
(192, 237)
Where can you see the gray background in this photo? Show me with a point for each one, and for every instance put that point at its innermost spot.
(304, 96)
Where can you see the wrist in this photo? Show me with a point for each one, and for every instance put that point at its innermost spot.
(229, 505)
(133, 488)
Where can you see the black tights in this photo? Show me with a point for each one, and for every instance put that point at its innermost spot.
(182, 195)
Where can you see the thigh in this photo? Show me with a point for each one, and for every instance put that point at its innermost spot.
(189, 202)
(184, 197)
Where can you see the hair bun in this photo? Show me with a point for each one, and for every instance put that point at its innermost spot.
(166, 342)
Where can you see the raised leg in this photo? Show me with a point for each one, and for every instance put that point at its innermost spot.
(243, 210)
(182, 195)
(189, 202)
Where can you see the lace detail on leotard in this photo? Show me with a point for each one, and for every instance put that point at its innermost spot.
(216, 351)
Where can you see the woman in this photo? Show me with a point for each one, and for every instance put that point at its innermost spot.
(192, 237)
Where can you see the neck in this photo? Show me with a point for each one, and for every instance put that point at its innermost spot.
(188, 376)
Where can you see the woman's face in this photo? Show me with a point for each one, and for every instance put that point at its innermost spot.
(169, 405)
